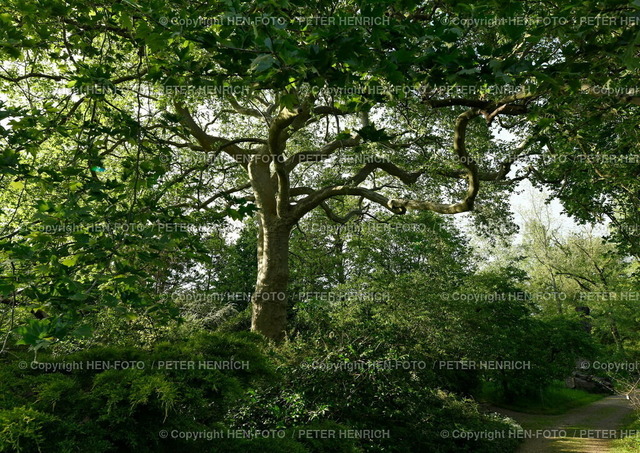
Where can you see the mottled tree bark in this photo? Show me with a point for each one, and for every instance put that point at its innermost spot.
(269, 300)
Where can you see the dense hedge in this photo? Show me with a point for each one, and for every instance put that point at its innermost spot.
(274, 403)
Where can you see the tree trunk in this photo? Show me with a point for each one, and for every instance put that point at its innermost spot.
(269, 300)
(339, 250)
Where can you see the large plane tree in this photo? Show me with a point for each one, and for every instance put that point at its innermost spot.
(340, 106)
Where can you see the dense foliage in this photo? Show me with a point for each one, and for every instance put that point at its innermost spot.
(174, 174)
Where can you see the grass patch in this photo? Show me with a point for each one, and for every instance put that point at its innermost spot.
(554, 400)
(629, 444)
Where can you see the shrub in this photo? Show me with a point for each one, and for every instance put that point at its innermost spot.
(23, 429)
(125, 408)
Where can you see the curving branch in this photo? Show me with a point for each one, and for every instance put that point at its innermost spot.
(32, 75)
(504, 167)
(244, 110)
(400, 206)
(340, 219)
(466, 161)
(490, 109)
(208, 142)
(388, 167)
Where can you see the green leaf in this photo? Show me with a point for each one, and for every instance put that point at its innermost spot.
(82, 331)
(70, 261)
(262, 63)
(17, 185)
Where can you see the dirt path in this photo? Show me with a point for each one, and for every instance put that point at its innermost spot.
(587, 429)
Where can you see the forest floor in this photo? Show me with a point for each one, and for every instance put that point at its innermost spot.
(586, 429)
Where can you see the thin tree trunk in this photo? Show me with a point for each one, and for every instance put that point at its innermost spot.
(339, 250)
